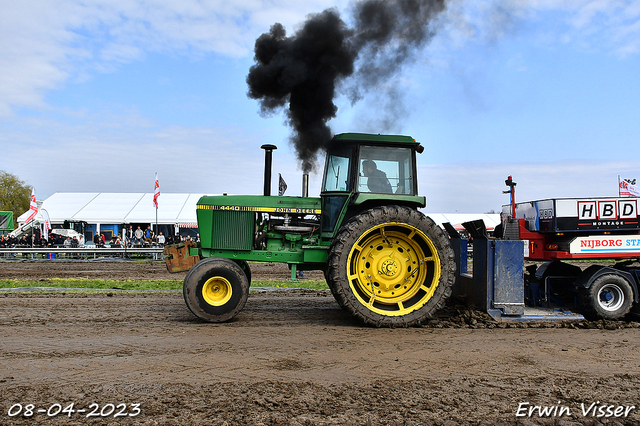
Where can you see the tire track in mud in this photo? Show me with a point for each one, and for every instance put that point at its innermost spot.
(297, 358)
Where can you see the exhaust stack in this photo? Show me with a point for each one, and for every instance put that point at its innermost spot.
(305, 185)
(268, 159)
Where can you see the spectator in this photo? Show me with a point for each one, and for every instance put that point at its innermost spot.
(161, 239)
(115, 241)
(147, 235)
(128, 239)
(138, 236)
(97, 240)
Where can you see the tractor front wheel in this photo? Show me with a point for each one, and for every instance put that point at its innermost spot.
(244, 265)
(391, 266)
(216, 289)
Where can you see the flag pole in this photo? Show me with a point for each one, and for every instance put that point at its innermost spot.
(156, 203)
(619, 195)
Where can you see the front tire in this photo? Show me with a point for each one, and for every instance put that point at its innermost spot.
(244, 265)
(391, 266)
(216, 289)
(609, 297)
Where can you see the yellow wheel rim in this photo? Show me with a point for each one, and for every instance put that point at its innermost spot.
(393, 269)
(216, 291)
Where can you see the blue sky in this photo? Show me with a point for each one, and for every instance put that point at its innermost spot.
(99, 96)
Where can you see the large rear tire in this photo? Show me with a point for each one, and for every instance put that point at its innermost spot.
(391, 266)
(610, 296)
(216, 289)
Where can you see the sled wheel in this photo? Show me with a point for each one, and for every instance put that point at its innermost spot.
(609, 297)
(391, 266)
(216, 289)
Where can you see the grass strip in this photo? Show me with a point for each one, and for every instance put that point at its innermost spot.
(141, 284)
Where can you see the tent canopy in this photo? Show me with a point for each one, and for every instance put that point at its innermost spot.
(174, 209)
(491, 220)
(115, 208)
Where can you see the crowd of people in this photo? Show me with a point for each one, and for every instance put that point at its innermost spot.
(39, 241)
(132, 238)
(148, 238)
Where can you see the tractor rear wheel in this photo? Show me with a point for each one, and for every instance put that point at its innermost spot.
(216, 289)
(609, 297)
(391, 266)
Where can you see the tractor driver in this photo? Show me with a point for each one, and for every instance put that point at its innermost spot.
(377, 179)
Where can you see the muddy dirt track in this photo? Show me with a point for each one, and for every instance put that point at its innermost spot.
(294, 358)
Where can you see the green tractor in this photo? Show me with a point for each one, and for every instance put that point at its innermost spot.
(385, 262)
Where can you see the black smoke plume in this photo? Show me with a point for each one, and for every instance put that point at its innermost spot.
(305, 70)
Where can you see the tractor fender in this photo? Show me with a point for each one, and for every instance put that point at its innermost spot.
(593, 272)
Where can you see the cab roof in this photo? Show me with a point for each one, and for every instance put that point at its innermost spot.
(366, 137)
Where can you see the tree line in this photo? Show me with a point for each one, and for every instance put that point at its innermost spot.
(14, 195)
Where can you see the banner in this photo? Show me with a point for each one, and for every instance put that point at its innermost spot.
(603, 244)
(628, 190)
(46, 224)
(282, 185)
(156, 192)
(33, 207)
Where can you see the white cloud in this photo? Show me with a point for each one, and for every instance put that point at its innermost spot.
(109, 152)
(477, 187)
(610, 25)
(120, 152)
(44, 43)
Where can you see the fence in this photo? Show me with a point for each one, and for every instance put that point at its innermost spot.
(80, 253)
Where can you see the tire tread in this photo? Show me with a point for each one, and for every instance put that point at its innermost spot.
(349, 233)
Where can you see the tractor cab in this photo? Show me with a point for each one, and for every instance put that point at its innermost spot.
(363, 170)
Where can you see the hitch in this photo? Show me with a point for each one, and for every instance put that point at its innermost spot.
(179, 258)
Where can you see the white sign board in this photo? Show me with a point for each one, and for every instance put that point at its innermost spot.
(606, 244)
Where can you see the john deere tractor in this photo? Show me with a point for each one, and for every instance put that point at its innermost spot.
(384, 261)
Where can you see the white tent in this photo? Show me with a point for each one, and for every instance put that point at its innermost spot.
(174, 209)
(491, 220)
(119, 208)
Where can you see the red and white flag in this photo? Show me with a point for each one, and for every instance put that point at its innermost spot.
(628, 190)
(33, 207)
(46, 224)
(156, 192)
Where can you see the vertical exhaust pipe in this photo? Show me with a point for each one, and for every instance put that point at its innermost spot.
(305, 185)
(268, 159)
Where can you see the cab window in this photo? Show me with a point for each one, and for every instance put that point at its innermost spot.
(337, 173)
(385, 170)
